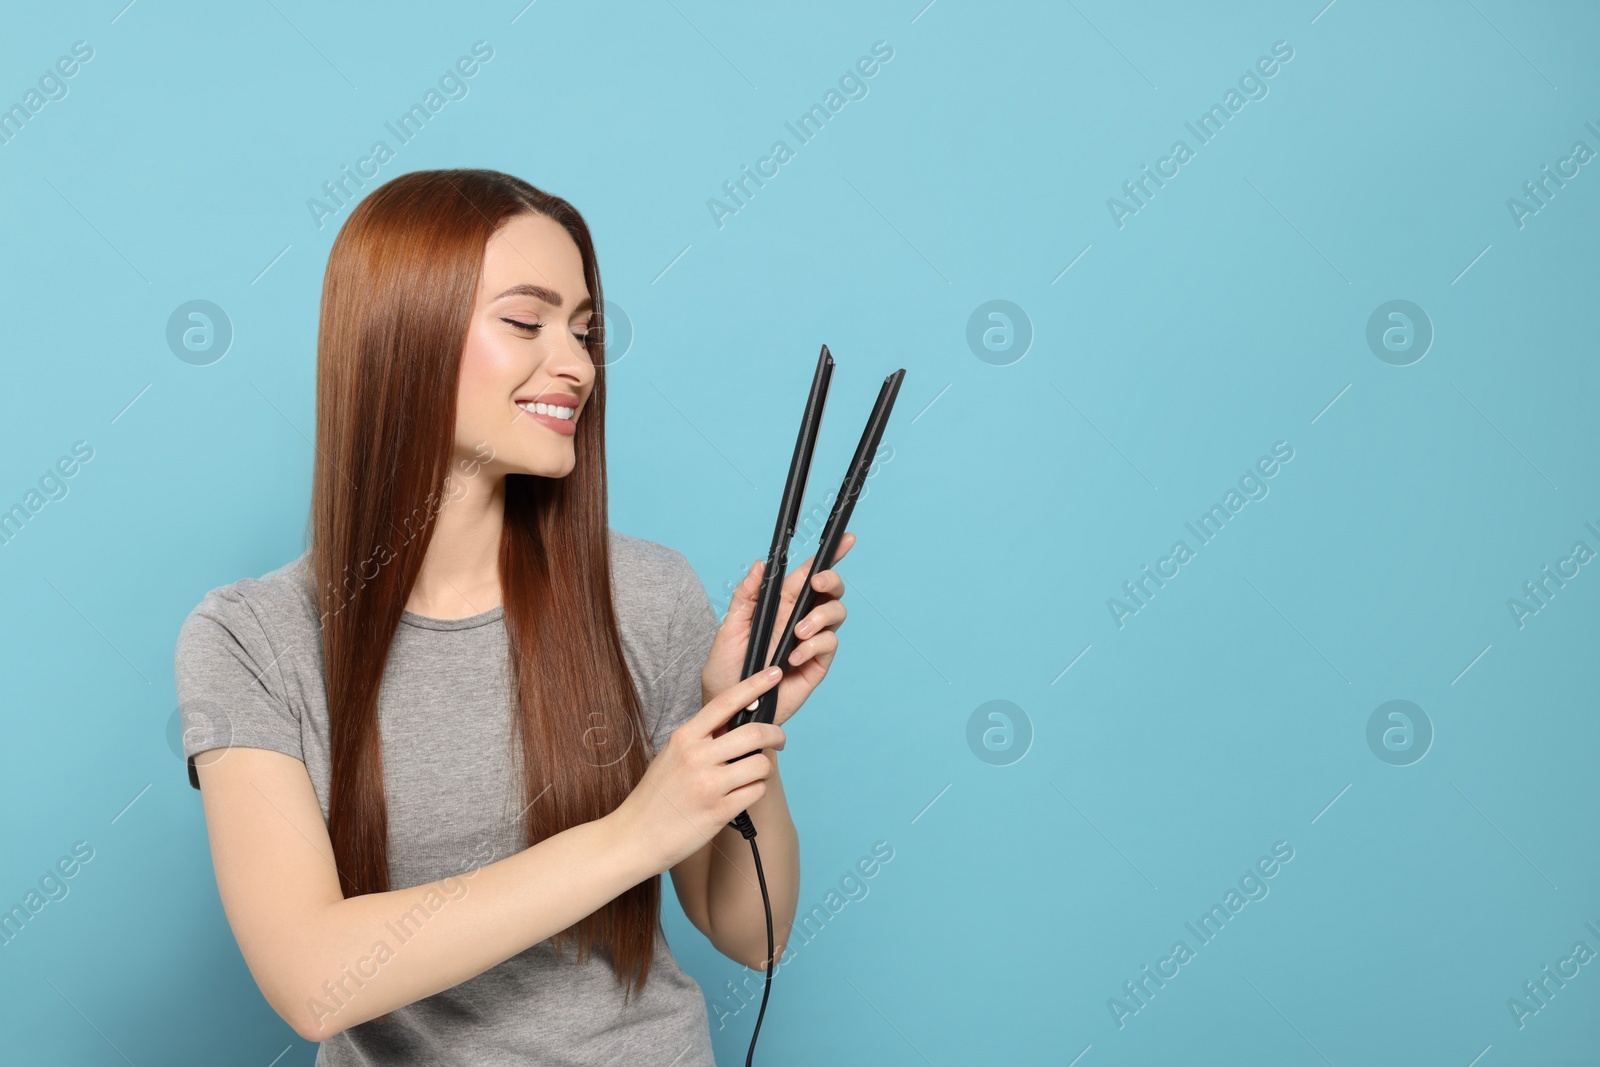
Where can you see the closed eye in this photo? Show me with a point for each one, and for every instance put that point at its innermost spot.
(535, 327)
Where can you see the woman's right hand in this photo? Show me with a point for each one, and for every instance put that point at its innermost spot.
(690, 791)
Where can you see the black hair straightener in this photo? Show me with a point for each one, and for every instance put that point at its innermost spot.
(776, 569)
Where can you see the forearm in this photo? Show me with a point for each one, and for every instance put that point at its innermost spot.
(368, 955)
(738, 921)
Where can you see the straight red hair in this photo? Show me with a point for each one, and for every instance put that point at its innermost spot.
(397, 300)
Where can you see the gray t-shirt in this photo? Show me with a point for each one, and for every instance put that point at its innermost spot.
(249, 673)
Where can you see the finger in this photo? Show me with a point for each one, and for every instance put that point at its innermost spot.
(828, 584)
(831, 587)
(827, 641)
(829, 615)
(743, 605)
(741, 773)
(846, 542)
(741, 799)
(752, 578)
(747, 738)
(730, 776)
(724, 704)
(796, 577)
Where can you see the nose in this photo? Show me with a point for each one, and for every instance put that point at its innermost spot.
(572, 363)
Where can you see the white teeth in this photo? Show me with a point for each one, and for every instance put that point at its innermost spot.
(549, 409)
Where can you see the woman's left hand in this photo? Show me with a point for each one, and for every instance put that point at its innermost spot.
(808, 663)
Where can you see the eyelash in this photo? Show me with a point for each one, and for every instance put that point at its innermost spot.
(535, 327)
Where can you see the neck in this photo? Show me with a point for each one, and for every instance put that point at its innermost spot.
(460, 573)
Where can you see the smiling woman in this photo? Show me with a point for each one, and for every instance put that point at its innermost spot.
(512, 672)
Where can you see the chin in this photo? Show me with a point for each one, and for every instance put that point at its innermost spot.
(544, 468)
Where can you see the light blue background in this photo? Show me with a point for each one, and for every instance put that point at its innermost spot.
(1228, 314)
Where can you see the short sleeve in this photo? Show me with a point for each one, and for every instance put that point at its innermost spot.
(230, 683)
(690, 632)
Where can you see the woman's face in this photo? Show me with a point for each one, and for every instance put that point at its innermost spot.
(525, 345)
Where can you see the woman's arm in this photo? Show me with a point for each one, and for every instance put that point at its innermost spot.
(718, 889)
(326, 963)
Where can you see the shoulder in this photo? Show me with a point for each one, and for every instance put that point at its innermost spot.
(662, 605)
(246, 665)
(276, 608)
(667, 626)
(648, 575)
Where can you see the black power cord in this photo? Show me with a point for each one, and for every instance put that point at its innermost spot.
(748, 829)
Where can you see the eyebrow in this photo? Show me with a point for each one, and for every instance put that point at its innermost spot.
(539, 292)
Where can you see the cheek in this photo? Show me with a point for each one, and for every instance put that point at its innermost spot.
(491, 370)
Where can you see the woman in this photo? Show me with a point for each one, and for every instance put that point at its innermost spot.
(446, 754)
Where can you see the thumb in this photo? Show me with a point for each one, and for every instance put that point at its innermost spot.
(743, 605)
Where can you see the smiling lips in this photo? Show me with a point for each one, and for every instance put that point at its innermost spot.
(559, 411)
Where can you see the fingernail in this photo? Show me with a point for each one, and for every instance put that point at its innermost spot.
(804, 629)
(773, 672)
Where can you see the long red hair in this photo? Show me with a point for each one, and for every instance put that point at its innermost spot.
(396, 303)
